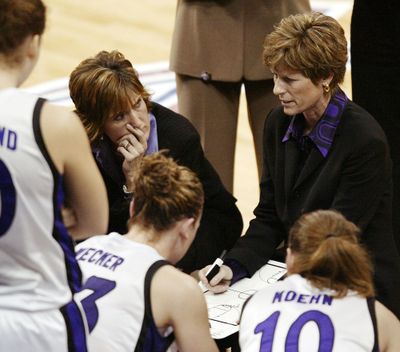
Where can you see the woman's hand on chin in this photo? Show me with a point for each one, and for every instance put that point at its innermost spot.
(132, 147)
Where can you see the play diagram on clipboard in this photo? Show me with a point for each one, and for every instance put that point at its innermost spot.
(224, 309)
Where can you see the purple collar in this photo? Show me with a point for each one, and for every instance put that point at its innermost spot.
(324, 131)
(152, 141)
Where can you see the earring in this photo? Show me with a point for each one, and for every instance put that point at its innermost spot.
(326, 87)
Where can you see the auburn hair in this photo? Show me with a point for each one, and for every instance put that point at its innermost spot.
(311, 43)
(327, 252)
(18, 20)
(164, 193)
(101, 86)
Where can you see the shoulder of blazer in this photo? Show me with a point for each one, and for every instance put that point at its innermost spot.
(172, 128)
(357, 121)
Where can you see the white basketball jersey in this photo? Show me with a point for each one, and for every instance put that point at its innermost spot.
(291, 315)
(38, 269)
(117, 273)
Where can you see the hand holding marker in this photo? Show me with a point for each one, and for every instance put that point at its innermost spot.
(214, 269)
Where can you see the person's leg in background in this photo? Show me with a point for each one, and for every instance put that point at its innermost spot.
(260, 101)
(213, 109)
(376, 89)
(375, 72)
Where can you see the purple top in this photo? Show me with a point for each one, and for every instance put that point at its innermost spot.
(322, 136)
(152, 141)
(324, 131)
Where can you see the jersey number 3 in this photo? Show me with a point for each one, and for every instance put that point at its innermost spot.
(100, 288)
(324, 323)
(8, 197)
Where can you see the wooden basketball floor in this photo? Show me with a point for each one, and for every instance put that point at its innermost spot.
(142, 30)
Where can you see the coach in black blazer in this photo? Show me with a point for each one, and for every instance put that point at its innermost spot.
(355, 179)
(321, 151)
(98, 86)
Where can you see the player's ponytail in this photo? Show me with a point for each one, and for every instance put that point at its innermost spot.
(327, 253)
(165, 193)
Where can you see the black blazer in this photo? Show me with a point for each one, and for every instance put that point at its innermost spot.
(354, 178)
(221, 223)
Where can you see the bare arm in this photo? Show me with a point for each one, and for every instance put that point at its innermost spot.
(177, 301)
(388, 329)
(69, 148)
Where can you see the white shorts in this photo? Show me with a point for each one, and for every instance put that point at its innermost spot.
(45, 331)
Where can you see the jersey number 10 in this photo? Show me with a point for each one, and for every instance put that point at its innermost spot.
(324, 323)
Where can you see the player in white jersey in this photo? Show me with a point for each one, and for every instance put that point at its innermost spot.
(44, 158)
(134, 299)
(326, 303)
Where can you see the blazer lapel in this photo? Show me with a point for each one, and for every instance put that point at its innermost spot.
(292, 155)
(313, 161)
(106, 160)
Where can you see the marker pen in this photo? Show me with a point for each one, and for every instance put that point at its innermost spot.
(214, 269)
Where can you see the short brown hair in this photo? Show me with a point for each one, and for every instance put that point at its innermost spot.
(99, 86)
(165, 192)
(311, 43)
(18, 20)
(327, 253)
